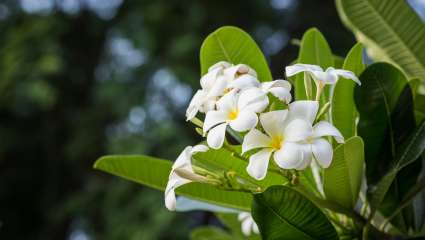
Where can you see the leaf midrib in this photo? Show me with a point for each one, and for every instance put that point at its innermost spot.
(220, 43)
(390, 29)
(264, 203)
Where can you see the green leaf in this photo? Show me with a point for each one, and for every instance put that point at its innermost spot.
(343, 178)
(209, 233)
(233, 45)
(313, 50)
(344, 111)
(223, 159)
(153, 172)
(390, 30)
(376, 101)
(283, 213)
(412, 151)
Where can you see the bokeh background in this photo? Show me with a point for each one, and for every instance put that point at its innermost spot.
(84, 78)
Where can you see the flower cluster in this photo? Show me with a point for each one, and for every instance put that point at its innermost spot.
(234, 99)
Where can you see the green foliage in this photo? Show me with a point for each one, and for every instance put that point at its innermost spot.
(390, 30)
(154, 172)
(209, 233)
(233, 45)
(313, 50)
(342, 180)
(376, 100)
(283, 213)
(344, 111)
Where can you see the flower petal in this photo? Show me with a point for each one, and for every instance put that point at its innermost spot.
(240, 69)
(195, 104)
(208, 80)
(283, 94)
(213, 118)
(228, 102)
(258, 163)
(324, 128)
(298, 130)
(345, 74)
(299, 67)
(169, 195)
(290, 156)
(246, 227)
(219, 65)
(254, 139)
(276, 83)
(254, 99)
(322, 151)
(324, 77)
(216, 135)
(273, 122)
(184, 159)
(199, 148)
(244, 82)
(245, 121)
(306, 157)
(306, 110)
(217, 89)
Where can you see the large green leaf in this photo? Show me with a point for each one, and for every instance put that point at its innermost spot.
(376, 100)
(344, 111)
(313, 50)
(385, 104)
(283, 213)
(390, 30)
(233, 45)
(343, 178)
(412, 150)
(153, 172)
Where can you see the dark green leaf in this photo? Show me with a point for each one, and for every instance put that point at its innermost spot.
(283, 213)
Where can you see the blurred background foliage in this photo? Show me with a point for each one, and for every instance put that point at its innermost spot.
(84, 78)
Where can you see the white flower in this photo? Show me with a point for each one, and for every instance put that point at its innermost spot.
(330, 76)
(248, 224)
(318, 147)
(182, 173)
(285, 130)
(238, 110)
(279, 88)
(213, 84)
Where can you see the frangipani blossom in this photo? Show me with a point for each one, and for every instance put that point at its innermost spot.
(248, 225)
(321, 77)
(238, 110)
(285, 131)
(221, 78)
(182, 173)
(318, 147)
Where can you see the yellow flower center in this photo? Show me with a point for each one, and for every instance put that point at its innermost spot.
(233, 114)
(276, 142)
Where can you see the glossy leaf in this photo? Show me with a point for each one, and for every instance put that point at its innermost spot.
(283, 213)
(233, 45)
(153, 172)
(390, 30)
(412, 151)
(376, 99)
(342, 180)
(344, 111)
(313, 50)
